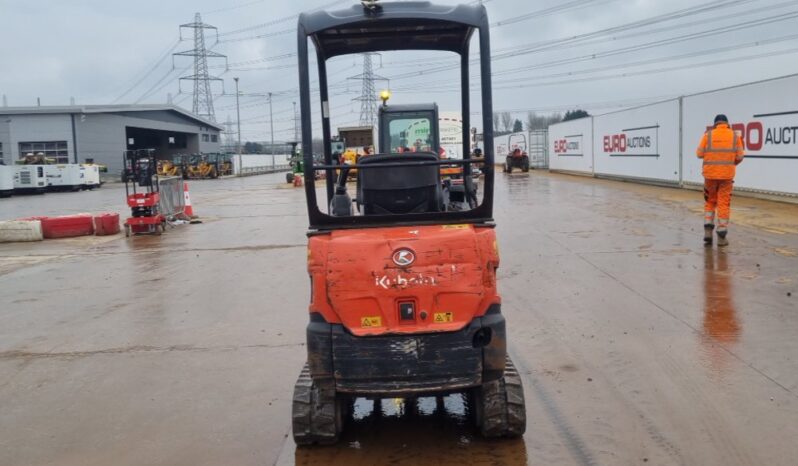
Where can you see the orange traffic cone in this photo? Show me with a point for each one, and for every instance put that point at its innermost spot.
(188, 210)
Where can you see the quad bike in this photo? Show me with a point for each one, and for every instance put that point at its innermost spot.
(517, 159)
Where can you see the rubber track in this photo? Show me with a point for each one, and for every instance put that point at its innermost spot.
(504, 411)
(313, 411)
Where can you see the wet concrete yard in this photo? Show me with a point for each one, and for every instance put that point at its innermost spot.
(636, 344)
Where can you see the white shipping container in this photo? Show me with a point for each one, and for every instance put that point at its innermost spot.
(6, 180)
(766, 113)
(64, 177)
(642, 142)
(90, 175)
(571, 146)
(30, 178)
(505, 144)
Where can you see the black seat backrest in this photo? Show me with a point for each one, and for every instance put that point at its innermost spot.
(399, 190)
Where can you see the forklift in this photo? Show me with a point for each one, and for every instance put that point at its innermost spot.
(404, 300)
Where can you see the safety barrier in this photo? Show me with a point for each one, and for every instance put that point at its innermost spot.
(250, 171)
(20, 230)
(172, 199)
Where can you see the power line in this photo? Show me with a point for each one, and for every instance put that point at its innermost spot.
(622, 50)
(548, 11)
(149, 71)
(657, 70)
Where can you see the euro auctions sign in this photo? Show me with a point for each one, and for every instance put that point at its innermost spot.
(633, 142)
(569, 145)
(770, 135)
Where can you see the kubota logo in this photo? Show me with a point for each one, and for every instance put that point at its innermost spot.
(403, 257)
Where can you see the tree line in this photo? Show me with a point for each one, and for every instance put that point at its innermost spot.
(504, 123)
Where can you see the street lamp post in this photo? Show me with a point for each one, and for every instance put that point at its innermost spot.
(295, 129)
(271, 127)
(238, 121)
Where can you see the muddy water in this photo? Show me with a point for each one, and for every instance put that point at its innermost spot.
(423, 431)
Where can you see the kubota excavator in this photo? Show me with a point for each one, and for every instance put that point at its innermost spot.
(404, 300)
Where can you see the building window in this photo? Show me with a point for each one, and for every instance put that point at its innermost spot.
(214, 138)
(1, 151)
(56, 150)
(205, 138)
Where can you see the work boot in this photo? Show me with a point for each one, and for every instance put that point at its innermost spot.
(708, 227)
(722, 241)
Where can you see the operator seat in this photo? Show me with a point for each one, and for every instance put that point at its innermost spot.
(400, 190)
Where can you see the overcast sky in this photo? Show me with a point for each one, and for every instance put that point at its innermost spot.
(109, 51)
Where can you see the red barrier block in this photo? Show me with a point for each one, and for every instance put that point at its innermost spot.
(67, 226)
(106, 224)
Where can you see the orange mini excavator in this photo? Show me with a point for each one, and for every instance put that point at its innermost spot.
(403, 289)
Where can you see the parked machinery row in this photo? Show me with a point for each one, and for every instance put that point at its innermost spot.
(197, 166)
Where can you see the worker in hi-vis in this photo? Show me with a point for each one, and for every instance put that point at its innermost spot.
(722, 150)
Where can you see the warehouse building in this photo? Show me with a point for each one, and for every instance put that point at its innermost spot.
(72, 134)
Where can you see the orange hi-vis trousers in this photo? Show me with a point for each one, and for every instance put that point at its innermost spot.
(717, 196)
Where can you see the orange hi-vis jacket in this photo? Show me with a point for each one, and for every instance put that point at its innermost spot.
(722, 151)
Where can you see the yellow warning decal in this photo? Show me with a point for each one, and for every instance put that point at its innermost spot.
(455, 227)
(371, 321)
(441, 317)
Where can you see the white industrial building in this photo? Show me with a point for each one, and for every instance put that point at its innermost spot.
(72, 134)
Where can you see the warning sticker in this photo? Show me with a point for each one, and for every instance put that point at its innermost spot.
(371, 321)
(441, 317)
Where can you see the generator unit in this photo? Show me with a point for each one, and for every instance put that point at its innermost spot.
(30, 178)
(65, 177)
(6, 181)
(90, 175)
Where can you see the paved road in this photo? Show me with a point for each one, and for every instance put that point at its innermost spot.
(637, 345)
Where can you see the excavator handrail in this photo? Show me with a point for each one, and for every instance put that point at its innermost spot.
(399, 164)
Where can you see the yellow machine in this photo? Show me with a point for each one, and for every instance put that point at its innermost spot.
(351, 157)
(168, 168)
(224, 164)
(200, 168)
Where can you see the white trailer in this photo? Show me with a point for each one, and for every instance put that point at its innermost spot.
(66, 177)
(91, 176)
(450, 127)
(30, 178)
(6, 181)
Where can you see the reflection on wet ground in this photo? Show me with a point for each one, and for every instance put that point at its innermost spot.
(720, 321)
(721, 327)
(431, 430)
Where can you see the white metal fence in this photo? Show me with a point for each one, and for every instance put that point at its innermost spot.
(657, 142)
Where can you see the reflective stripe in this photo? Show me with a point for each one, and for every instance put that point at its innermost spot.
(718, 162)
(721, 151)
(709, 143)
